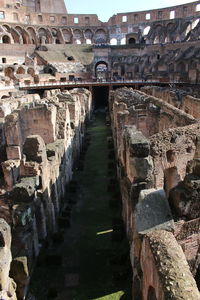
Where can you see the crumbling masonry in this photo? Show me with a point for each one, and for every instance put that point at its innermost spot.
(44, 51)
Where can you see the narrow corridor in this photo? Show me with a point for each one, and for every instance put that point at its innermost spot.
(92, 262)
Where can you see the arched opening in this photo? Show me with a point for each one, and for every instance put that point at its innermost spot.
(78, 36)
(100, 37)
(131, 41)
(9, 72)
(122, 70)
(5, 97)
(151, 294)
(67, 36)
(101, 71)
(171, 179)
(113, 41)
(6, 39)
(88, 41)
(78, 42)
(146, 30)
(123, 41)
(20, 70)
(24, 34)
(32, 35)
(31, 71)
(43, 36)
(181, 67)
(88, 34)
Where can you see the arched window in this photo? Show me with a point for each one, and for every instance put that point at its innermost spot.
(6, 39)
(131, 41)
(113, 41)
(88, 41)
(123, 41)
(101, 70)
(146, 30)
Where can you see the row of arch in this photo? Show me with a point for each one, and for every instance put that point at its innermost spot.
(157, 33)
(171, 32)
(42, 35)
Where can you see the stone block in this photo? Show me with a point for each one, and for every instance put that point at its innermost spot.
(34, 149)
(13, 152)
(24, 191)
(153, 212)
(19, 272)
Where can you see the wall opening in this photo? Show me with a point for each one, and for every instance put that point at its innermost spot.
(6, 39)
(131, 41)
(151, 294)
(101, 71)
(100, 96)
(171, 179)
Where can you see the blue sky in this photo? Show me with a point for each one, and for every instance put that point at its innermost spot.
(106, 8)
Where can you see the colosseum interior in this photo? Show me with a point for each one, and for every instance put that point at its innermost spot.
(99, 153)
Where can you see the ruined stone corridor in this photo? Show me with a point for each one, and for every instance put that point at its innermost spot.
(92, 262)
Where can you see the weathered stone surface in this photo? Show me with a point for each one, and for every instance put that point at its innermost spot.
(34, 149)
(24, 191)
(185, 198)
(19, 272)
(175, 277)
(153, 212)
(7, 286)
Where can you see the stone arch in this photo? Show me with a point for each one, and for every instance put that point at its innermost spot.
(20, 70)
(32, 34)
(170, 32)
(123, 41)
(100, 36)
(113, 41)
(24, 34)
(57, 36)
(67, 36)
(6, 39)
(31, 71)
(9, 72)
(4, 96)
(131, 41)
(17, 38)
(78, 36)
(158, 34)
(151, 294)
(88, 34)
(43, 36)
(6, 27)
(101, 69)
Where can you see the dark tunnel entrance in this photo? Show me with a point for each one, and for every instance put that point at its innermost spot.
(100, 96)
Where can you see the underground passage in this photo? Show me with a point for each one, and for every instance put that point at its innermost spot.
(88, 257)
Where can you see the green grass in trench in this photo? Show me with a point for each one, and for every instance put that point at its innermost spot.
(88, 245)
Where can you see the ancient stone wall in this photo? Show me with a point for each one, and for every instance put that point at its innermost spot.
(43, 140)
(187, 101)
(156, 168)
